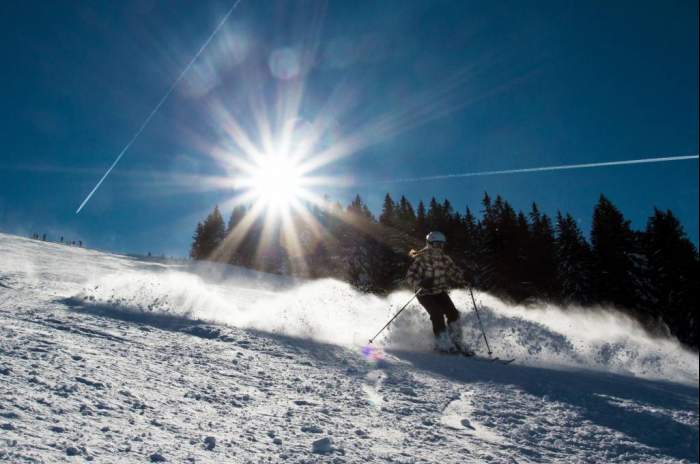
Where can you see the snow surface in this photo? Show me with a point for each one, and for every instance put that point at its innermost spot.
(108, 358)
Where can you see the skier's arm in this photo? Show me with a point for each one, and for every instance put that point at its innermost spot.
(455, 273)
(415, 274)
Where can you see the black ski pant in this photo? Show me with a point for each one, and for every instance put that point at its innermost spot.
(439, 306)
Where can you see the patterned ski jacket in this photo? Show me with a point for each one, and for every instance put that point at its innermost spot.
(433, 271)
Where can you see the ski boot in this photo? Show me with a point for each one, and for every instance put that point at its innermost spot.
(464, 349)
(456, 339)
(445, 345)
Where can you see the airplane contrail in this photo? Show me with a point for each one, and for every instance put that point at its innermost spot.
(542, 169)
(157, 107)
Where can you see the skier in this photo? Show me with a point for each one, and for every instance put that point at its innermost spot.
(432, 274)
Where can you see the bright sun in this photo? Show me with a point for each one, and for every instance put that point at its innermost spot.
(276, 181)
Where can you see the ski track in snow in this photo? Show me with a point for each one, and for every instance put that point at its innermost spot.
(106, 358)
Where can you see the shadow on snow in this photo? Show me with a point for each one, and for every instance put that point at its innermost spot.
(326, 354)
(584, 390)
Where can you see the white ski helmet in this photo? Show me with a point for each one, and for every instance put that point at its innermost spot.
(435, 237)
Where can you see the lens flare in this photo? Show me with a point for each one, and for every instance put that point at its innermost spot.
(372, 353)
(285, 63)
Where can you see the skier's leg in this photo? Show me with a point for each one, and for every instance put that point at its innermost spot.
(454, 329)
(452, 315)
(448, 308)
(432, 305)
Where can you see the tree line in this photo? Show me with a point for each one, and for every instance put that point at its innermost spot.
(652, 274)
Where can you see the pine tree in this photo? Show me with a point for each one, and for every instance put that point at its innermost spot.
(319, 260)
(434, 215)
(355, 243)
(471, 257)
(490, 244)
(525, 282)
(673, 275)
(505, 236)
(386, 268)
(406, 216)
(237, 215)
(218, 228)
(574, 262)
(541, 254)
(317, 238)
(197, 241)
(421, 221)
(613, 244)
(453, 229)
(447, 215)
(360, 208)
(389, 214)
(208, 236)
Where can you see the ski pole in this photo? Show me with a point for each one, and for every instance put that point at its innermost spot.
(478, 318)
(395, 315)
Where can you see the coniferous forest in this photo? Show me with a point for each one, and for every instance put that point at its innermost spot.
(522, 257)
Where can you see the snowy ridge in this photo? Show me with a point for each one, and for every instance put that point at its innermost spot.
(113, 359)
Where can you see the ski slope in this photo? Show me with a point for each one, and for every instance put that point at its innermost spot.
(106, 358)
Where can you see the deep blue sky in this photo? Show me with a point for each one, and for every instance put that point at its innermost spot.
(468, 86)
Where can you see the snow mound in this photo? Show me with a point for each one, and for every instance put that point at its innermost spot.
(333, 312)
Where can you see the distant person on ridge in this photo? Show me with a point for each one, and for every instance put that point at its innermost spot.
(432, 274)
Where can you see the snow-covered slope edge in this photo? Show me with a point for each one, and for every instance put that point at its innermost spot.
(104, 357)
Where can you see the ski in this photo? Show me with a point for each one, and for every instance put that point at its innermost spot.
(492, 360)
(471, 354)
(504, 361)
